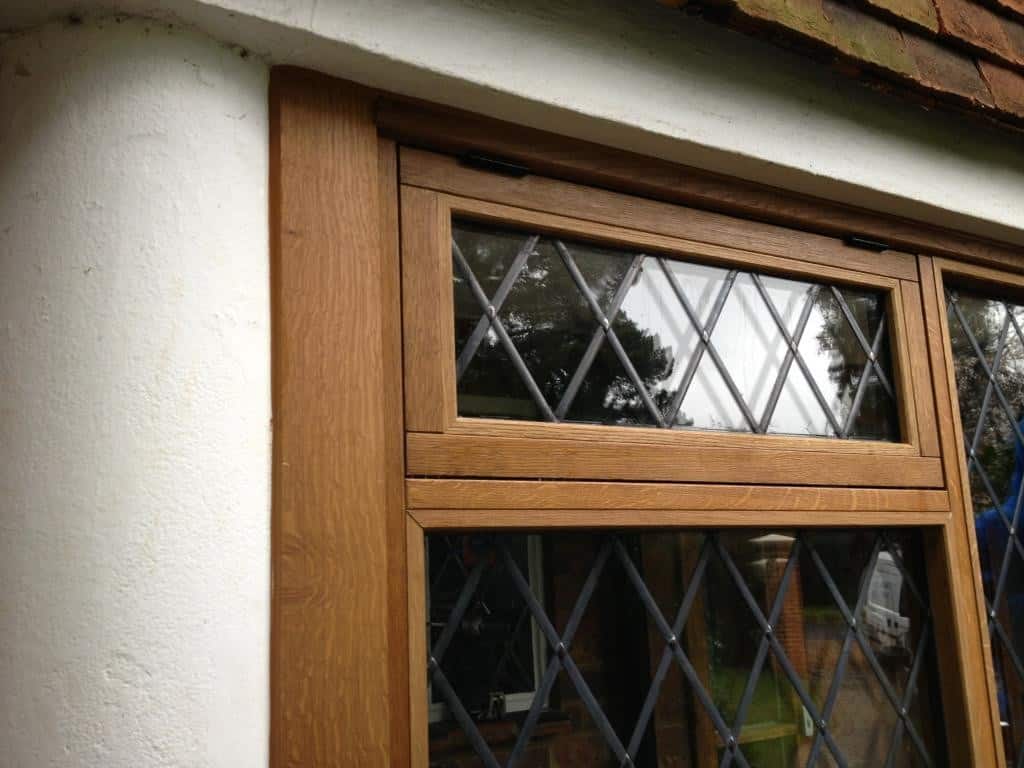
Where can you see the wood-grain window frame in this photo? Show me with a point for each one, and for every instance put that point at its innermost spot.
(436, 189)
(623, 477)
(349, 518)
(938, 275)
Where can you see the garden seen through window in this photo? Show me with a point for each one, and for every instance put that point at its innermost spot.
(772, 648)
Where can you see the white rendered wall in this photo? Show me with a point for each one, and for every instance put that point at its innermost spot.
(134, 400)
(635, 74)
(639, 75)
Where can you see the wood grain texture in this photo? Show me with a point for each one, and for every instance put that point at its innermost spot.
(958, 273)
(330, 613)
(442, 173)
(673, 438)
(390, 311)
(902, 376)
(448, 130)
(427, 311)
(450, 455)
(968, 680)
(920, 369)
(417, 645)
(736, 247)
(553, 494)
(537, 519)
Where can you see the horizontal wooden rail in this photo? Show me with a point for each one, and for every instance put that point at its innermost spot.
(559, 495)
(519, 519)
(450, 455)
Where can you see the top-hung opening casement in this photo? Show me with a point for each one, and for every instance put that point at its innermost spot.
(714, 349)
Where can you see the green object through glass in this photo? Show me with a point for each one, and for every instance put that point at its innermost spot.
(769, 649)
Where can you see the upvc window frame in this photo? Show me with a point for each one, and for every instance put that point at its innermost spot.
(939, 276)
(467, 473)
(435, 190)
(347, 692)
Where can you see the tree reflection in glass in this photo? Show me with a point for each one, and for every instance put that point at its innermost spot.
(985, 335)
(688, 345)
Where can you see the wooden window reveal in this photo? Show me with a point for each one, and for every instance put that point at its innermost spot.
(466, 236)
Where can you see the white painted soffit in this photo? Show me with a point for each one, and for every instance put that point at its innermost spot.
(634, 75)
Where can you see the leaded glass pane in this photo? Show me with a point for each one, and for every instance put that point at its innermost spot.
(560, 330)
(766, 649)
(988, 357)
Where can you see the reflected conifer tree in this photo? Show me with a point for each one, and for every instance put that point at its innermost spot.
(876, 418)
(551, 325)
(987, 321)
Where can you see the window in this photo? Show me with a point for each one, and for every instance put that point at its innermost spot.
(583, 604)
(988, 359)
(501, 651)
(763, 648)
(549, 329)
(755, 460)
(525, 326)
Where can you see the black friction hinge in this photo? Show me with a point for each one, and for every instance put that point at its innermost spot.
(494, 164)
(856, 241)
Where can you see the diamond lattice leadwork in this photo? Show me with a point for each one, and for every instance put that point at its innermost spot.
(988, 351)
(861, 610)
(556, 330)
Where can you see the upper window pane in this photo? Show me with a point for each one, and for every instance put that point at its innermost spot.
(550, 329)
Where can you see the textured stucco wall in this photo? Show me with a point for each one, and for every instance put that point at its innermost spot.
(134, 400)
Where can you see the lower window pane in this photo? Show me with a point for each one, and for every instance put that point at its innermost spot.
(769, 648)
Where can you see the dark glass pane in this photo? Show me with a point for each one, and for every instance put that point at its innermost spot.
(666, 658)
(985, 335)
(495, 626)
(558, 362)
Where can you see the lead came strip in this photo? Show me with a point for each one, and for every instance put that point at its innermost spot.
(492, 552)
(997, 499)
(844, 338)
